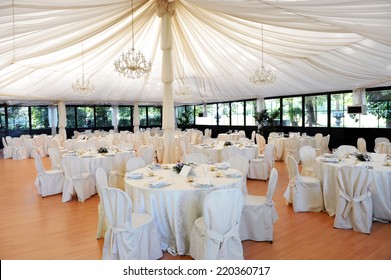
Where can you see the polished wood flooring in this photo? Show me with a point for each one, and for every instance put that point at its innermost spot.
(36, 228)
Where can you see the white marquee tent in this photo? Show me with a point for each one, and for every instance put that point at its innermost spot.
(313, 46)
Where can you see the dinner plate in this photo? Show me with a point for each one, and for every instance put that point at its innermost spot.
(136, 175)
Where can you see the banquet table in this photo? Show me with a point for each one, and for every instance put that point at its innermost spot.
(380, 186)
(84, 144)
(214, 153)
(279, 145)
(228, 137)
(175, 206)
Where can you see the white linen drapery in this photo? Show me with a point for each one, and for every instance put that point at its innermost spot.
(167, 79)
(114, 117)
(62, 120)
(136, 118)
(53, 119)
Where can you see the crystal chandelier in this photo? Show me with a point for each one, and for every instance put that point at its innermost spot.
(132, 64)
(263, 76)
(83, 85)
(183, 89)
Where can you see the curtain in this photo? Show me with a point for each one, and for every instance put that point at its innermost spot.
(114, 117)
(136, 118)
(53, 119)
(62, 119)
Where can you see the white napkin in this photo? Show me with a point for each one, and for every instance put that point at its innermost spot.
(222, 165)
(158, 184)
(233, 173)
(134, 175)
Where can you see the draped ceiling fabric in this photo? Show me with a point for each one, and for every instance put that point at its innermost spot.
(312, 45)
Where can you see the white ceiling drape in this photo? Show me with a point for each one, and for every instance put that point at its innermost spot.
(312, 45)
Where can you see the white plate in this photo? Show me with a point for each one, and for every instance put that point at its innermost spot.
(158, 184)
(233, 174)
(135, 175)
(198, 185)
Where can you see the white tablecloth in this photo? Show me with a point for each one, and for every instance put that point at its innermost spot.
(77, 144)
(228, 137)
(279, 145)
(380, 187)
(175, 207)
(214, 153)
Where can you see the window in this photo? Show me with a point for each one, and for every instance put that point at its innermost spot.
(211, 114)
(124, 116)
(315, 111)
(85, 117)
(251, 108)
(291, 111)
(71, 117)
(237, 113)
(223, 113)
(39, 117)
(18, 118)
(378, 109)
(103, 116)
(199, 114)
(273, 108)
(142, 111)
(2, 117)
(154, 116)
(338, 110)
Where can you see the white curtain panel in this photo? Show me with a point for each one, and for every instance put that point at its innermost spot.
(62, 120)
(53, 119)
(114, 118)
(136, 118)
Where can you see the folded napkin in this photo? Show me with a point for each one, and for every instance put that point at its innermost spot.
(134, 175)
(222, 165)
(233, 173)
(331, 159)
(158, 184)
(326, 155)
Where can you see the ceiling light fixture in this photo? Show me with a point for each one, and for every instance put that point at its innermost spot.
(82, 85)
(132, 64)
(263, 76)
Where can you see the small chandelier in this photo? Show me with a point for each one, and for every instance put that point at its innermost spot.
(183, 89)
(132, 64)
(263, 76)
(83, 85)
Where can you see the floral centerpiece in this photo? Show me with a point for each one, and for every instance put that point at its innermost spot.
(228, 143)
(362, 157)
(178, 167)
(102, 150)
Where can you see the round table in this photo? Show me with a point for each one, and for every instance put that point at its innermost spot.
(215, 153)
(175, 207)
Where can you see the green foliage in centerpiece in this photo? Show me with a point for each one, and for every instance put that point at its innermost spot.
(178, 167)
(362, 157)
(102, 150)
(228, 143)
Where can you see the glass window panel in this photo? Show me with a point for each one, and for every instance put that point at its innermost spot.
(154, 116)
(142, 111)
(379, 107)
(273, 106)
(315, 111)
(85, 117)
(338, 110)
(190, 109)
(18, 118)
(211, 115)
(237, 113)
(251, 108)
(124, 116)
(291, 111)
(223, 113)
(103, 116)
(71, 117)
(39, 117)
(199, 117)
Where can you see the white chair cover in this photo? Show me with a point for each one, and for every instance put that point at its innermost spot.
(261, 142)
(308, 161)
(38, 146)
(240, 163)
(259, 214)
(361, 145)
(354, 206)
(346, 149)
(229, 151)
(378, 143)
(129, 236)
(260, 167)
(304, 192)
(183, 150)
(196, 158)
(318, 140)
(324, 146)
(134, 163)
(76, 181)
(253, 133)
(292, 145)
(55, 158)
(215, 236)
(101, 181)
(7, 150)
(47, 182)
(147, 153)
(20, 150)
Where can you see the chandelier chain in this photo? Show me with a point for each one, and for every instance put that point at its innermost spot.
(83, 85)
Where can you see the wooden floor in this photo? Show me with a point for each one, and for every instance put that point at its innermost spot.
(38, 228)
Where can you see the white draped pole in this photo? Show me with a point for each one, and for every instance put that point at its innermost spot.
(114, 117)
(53, 119)
(165, 9)
(62, 120)
(136, 118)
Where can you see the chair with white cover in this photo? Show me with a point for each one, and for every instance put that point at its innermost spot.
(324, 146)
(147, 153)
(378, 143)
(76, 180)
(184, 150)
(308, 161)
(229, 151)
(346, 149)
(292, 145)
(38, 146)
(261, 143)
(354, 206)
(361, 145)
(101, 181)
(253, 133)
(318, 140)
(19, 148)
(215, 235)
(274, 134)
(196, 158)
(7, 149)
(304, 192)
(135, 163)
(241, 163)
(48, 182)
(117, 177)
(129, 236)
(55, 158)
(259, 214)
(260, 167)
